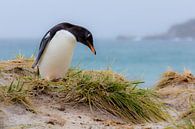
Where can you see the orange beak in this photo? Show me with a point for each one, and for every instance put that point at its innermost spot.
(92, 48)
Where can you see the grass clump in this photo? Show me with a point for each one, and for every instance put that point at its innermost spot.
(173, 78)
(111, 92)
(15, 93)
(21, 56)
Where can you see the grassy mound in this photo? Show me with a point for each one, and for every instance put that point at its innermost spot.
(177, 90)
(111, 92)
(174, 78)
(102, 90)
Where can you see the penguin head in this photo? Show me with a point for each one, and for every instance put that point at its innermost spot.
(83, 36)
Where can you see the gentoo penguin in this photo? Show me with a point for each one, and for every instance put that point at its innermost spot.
(57, 47)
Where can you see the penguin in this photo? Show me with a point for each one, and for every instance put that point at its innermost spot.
(57, 47)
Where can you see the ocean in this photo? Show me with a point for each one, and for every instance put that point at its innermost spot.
(137, 60)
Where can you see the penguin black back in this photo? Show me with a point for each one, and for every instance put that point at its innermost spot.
(81, 34)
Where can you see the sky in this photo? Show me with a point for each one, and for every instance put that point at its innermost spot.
(104, 18)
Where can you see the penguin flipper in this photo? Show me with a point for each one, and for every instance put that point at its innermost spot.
(42, 47)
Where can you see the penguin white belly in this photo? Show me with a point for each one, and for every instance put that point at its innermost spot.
(57, 56)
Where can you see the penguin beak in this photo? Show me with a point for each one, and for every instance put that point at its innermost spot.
(91, 47)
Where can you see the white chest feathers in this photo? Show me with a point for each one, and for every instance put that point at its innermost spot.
(57, 56)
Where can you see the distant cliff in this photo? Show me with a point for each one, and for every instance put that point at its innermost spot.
(183, 31)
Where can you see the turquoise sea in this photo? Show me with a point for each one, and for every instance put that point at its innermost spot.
(141, 60)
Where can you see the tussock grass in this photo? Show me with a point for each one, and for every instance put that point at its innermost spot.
(15, 93)
(113, 93)
(21, 56)
(104, 90)
(177, 89)
(173, 78)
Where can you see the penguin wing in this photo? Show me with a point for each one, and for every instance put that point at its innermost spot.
(45, 40)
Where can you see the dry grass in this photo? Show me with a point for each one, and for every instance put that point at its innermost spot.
(15, 93)
(104, 90)
(174, 78)
(21, 56)
(177, 90)
(108, 91)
